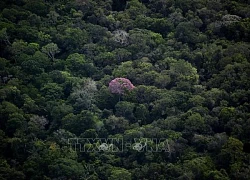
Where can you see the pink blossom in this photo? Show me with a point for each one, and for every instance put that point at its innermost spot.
(120, 85)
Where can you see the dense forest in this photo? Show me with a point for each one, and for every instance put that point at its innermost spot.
(125, 89)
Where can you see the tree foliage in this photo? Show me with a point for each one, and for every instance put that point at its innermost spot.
(124, 89)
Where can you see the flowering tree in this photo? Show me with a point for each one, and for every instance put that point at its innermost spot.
(120, 85)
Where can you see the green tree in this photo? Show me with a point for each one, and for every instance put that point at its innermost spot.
(9, 173)
(141, 113)
(183, 71)
(194, 123)
(6, 109)
(186, 32)
(15, 122)
(120, 174)
(200, 167)
(77, 124)
(121, 55)
(52, 91)
(125, 109)
(67, 168)
(73, 39)
(116, 124)
(231, 154)
(4, 36)
(75, 62)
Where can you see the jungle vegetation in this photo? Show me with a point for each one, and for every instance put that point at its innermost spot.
(188, 62)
